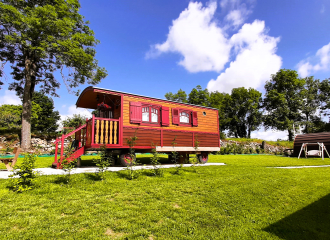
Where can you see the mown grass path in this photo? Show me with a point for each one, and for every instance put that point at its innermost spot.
(242, 200)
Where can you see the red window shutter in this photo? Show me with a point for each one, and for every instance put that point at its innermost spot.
(135, 112)
(175, 116)
(165, 117)
(194, 119)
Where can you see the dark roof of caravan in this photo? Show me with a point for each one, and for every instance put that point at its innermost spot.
(91, 88)
(322, 137)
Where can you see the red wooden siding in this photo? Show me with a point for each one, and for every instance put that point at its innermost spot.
(152, 137)
(182, 139)
(207, 140)
(146, 137)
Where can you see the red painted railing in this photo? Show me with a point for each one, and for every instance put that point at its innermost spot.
(80, 135)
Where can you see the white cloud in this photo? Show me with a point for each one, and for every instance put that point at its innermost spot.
(238, 11)
(321, 60)
(205, 46)
(322, 9)
(270, 135)
(197, 38)
(73, 110)
(256, 59)
(10, 97)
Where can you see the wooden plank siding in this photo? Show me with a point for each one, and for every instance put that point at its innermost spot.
(146, 137)
(207, 140)
(182, 139)
(152, 137)
(323, 137)
(208, 123)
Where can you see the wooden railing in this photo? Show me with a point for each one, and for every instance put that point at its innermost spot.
(106, 131)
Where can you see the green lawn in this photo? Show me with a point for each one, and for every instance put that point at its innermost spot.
(242, 200)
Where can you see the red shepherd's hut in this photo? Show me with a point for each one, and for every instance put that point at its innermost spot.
(159, 124)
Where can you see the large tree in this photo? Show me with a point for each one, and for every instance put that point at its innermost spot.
(325, 96)
(221, 101)
(198, 96)
(180, 96)
(38, 37)
(310, 104)
(47, 118)
(283, 101)
(243, 111)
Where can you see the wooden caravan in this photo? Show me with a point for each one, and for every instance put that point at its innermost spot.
(323, 137)
(164, 125)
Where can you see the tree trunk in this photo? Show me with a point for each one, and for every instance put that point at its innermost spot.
(27, 104)
(290, 135)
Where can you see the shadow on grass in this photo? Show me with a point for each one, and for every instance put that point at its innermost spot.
(62, 179)
(311, 222)
(93, 176)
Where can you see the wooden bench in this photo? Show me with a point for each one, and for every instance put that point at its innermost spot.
(13, 160)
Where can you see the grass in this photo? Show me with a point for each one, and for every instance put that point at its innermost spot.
(287, 144)
(242, 200)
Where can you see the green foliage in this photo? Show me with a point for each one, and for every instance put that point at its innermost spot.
(311, 103)
(175, 156)
(156, 170)
(223, 135)
(195, 160)
(74, 121)
(67, 163)
(221, 101)
(103, 162)
(132, 174)
(243, 112)
(11, 116)
(283, 101)
(23, 179)
(180, 96)
(8, 146)
(198, 96)
(287, 144)
(39, 38)
(47, 117)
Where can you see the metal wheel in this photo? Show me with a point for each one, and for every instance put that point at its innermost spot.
(126, 159)
(203, 158)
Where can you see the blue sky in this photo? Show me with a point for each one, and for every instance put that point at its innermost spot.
(150, 47)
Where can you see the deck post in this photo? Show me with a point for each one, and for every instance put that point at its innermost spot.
(121, 121)
(56, 149)
(62, 145)
(93, 128)
(86, 131)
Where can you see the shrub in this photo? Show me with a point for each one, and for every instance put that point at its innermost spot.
(103, 161)
(25, 175)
